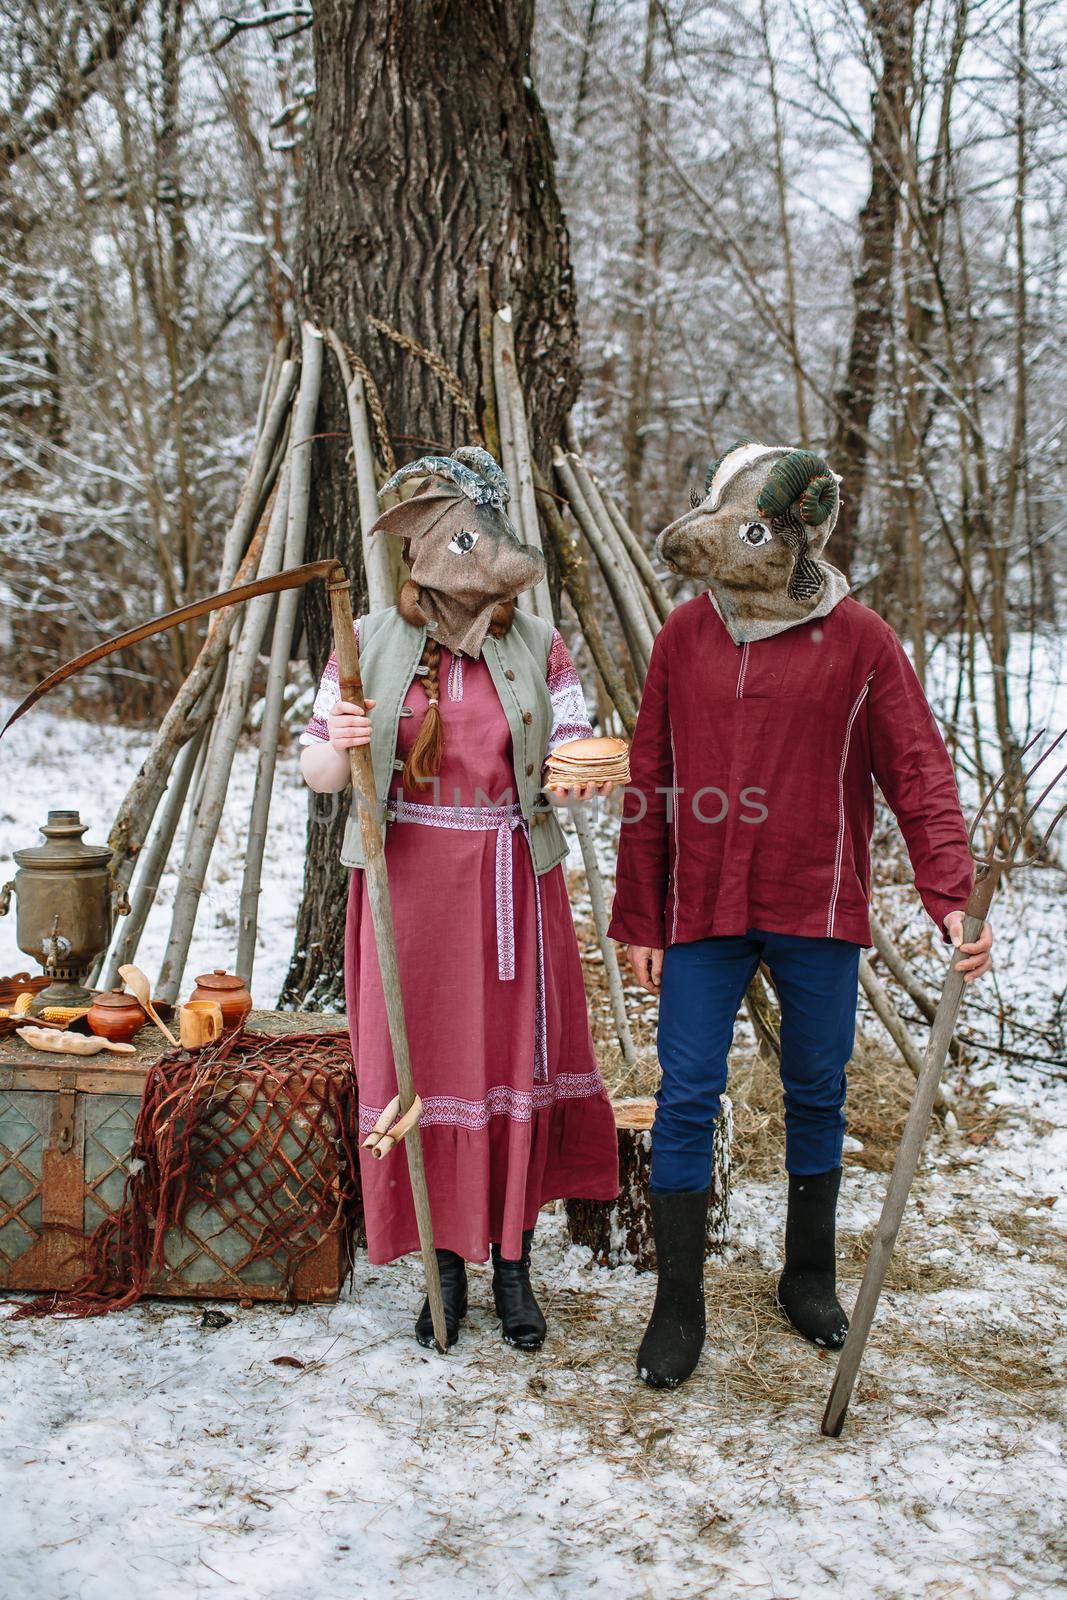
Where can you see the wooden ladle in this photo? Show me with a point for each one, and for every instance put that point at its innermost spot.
(138, 985)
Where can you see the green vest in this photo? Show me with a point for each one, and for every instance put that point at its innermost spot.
(389, 651)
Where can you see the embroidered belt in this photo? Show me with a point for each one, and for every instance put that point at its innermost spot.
(501, 820)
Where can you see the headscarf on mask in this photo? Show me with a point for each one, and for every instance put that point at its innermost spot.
(464, 553)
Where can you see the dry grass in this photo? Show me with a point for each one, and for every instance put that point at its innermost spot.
(753, 1358)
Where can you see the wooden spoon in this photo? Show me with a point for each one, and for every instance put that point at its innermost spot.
(59, 1043)
(138, 985)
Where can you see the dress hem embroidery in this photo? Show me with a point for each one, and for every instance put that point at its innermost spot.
(500, 1101)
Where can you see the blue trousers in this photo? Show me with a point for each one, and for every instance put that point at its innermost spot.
(702, 989)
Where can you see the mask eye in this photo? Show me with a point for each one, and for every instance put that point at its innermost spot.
(756, 533)
(464, 542)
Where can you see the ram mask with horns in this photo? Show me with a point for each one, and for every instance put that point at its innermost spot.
(756, 538)
(467, 561)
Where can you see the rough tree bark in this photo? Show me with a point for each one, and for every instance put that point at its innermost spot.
(893, 25)
(428, 155)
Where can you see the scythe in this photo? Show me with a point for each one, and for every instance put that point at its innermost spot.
(377, 877)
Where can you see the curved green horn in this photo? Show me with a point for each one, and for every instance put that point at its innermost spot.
(802, 479)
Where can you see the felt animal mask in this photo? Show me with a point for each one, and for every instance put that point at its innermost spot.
(756, 539)
(462, 547)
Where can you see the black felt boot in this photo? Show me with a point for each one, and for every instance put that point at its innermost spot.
(807, 1288)
(453, 1270)
(674, 1337)
(521, 1321)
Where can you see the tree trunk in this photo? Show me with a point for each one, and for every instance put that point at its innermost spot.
(619, 1232)
(428, 156)
(893, 23)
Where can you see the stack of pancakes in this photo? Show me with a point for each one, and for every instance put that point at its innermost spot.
(583, 761)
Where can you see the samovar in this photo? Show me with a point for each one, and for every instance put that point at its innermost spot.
(67, 899)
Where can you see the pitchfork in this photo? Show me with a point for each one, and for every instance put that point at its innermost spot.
(1008, 832)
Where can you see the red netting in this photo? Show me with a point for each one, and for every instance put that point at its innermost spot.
(261, 1129)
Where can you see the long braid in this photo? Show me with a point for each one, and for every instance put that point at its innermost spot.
(424, 759)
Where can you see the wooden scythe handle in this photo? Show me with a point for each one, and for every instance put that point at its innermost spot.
(376, 877)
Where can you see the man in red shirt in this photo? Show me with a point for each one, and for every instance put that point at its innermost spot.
(772, 702)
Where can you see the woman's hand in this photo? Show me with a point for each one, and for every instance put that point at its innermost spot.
(349, 725)
(976, 957)
(578, 792)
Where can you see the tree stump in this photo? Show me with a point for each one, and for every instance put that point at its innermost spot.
(619, 1232)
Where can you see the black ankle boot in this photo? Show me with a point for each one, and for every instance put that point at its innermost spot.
(453, 1270)
(807, 1289)
(675, 1335)
(521, 1321)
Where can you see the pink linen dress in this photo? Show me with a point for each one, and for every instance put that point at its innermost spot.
(514, 1109)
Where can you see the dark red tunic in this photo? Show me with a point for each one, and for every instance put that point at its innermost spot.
(771, 749)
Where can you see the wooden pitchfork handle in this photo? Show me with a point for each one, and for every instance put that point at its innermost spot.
(907, 1162)
(376, 878)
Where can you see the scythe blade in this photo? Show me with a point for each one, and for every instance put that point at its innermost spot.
(290, 578)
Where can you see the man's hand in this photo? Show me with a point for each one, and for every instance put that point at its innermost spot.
(977, 960)
(646, 965)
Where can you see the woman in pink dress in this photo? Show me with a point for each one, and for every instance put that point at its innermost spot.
(514, 1109)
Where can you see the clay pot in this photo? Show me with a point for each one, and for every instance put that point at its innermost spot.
(229, 994)
(115, 1016)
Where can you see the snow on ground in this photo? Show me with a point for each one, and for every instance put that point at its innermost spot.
(144, 1453)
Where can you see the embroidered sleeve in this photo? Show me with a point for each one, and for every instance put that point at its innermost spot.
(327, 696)
(570, 719)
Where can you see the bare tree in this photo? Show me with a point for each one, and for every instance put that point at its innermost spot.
(394, 230)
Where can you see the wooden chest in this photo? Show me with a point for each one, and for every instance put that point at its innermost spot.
(65, 1135)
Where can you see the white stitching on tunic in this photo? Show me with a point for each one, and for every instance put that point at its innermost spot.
(455, 679)
(448, 1110)
(840, 851)
(741, 673)
(673, 802)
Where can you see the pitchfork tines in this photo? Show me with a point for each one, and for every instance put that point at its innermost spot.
(1010, 829)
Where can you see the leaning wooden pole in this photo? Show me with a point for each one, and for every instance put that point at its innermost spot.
(294, 496)
(515, 441)
(269, 728)
(609, 533)
(154, 859)
(377, 565)
(134, 817)
(598, 906)
(376, 877)
(576, 582)
(208, 804)
(636, 631)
